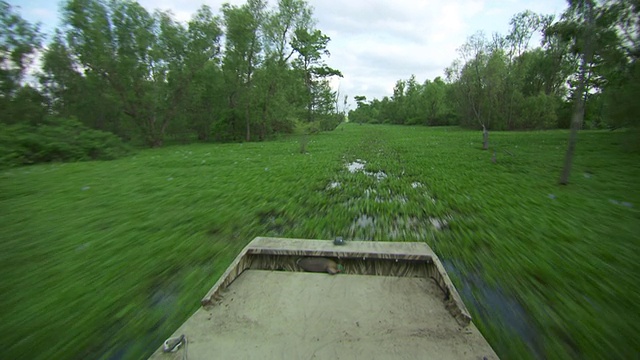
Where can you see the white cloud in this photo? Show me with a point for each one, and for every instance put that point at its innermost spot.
(375, 43)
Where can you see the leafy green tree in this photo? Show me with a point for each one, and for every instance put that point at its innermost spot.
(26, 107)
(19, 41)
(399, 100)
(311, 45)
(242, 57)
(619, 65)
(144, 76)
(361, 114)
(435, 103)
(83, 95)
(497, 83)
(278, 85)
(199, 83)
(119, 45)
(473, 88)
(413, 106)
(386, 111)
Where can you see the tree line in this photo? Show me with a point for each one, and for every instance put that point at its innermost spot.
(503, 83)
(244, 74)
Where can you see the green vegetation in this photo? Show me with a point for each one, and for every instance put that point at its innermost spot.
(103, 259)
(249, 72)
(110, 257)
(57, 140)
(507, 82)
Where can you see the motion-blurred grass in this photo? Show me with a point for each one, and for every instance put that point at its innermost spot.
(106, 259)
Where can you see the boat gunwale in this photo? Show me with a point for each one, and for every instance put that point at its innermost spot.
(414, 252)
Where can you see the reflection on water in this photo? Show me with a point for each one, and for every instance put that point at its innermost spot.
(368, 228)
(356, 165)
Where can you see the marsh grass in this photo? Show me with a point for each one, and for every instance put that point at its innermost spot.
(106, 259)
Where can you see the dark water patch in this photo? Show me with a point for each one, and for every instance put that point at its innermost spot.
(495, 306)
(214, 230)
(147, 342)
(162, 298)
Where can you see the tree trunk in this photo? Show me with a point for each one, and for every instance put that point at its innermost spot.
(579, 98)
(248, 113)
(308, 82)
(265, 109)
(152, 132)
(310, 104)
(485, 138)
(249, 84)
(248, 117)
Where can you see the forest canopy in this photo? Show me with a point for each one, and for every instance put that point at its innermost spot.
(242, 74)
(506, 82)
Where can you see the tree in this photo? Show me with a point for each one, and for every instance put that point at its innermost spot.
(311, 45)
(361, 114)
(620, 65)
(144, 76)
(585, 8)
(277, 84)
(26, 107)
(135, 55)
(399, 100)
(242, 57)
(19, 41)
(497, 83)
(434, 98)
(516, 45)
(201, 79)
(472, 87)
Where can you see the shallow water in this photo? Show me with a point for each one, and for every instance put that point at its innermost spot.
(438, 223)
(164, 298)
(364, 221)
(356, 165)
(333, 185)
(495, 306)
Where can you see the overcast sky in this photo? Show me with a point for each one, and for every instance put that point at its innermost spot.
(373, 42)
